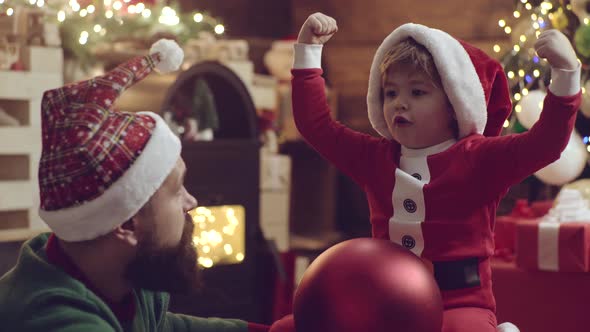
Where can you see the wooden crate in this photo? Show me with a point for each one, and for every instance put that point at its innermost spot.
(20, 147)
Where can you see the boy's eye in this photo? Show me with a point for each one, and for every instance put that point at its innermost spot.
(390, 93)
(418, 92)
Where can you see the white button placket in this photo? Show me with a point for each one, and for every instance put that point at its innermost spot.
(405, 226)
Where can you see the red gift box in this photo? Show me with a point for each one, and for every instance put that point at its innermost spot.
(505, 228)
(553, 246)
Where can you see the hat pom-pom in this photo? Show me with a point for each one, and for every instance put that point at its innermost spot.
(171, 55)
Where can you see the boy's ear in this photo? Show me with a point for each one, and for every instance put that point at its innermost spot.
(127, 232)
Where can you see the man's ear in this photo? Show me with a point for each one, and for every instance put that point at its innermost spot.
(127, 232)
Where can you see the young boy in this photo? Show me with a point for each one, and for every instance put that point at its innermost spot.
(434, 181)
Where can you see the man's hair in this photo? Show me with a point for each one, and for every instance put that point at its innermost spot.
(409, 53)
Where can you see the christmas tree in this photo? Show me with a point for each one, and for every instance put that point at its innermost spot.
(529, 76)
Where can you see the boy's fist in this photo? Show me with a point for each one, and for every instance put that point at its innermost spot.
(557, 49)
(317, 29)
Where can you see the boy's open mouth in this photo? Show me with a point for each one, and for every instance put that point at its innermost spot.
(400, 120)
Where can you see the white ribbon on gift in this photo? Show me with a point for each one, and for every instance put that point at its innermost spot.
(548, 248)
(571, 207)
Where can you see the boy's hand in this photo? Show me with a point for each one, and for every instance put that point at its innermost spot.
(557, 49)
(317, 29)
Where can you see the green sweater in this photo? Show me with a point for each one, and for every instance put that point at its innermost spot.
(38, 296)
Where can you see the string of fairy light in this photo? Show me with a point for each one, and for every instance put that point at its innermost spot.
(530, 69)
(524, 78)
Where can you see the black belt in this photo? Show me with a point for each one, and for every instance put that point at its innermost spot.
(459, 274)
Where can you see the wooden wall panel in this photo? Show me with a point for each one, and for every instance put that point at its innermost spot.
(372, 20)
(252, 18)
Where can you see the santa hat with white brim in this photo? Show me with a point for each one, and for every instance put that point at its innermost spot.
(99, 166)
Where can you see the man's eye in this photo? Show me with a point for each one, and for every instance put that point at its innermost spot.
(418, 92)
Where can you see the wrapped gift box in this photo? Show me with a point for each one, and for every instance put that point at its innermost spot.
(505, 228)
(553, 246)
(559, 240)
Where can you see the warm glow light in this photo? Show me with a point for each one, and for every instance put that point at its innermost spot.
(497, 48)
(117, 5)
(83, 13)
(507, 30)
(522, 38)
(146, 13)
(198, 17)
(536, 73)
(517, 96)
(525, 91)
(91, 9)
(61, 16)
(506, 123)
(510, 74)
(9, 11)
(109, 14)
(516, 14)
(219, 234)
(516, 48)
(97, 28)
(502, 23)
(521, 73)
(517, 108)
(219, 29)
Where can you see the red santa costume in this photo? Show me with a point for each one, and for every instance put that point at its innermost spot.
(440, 202)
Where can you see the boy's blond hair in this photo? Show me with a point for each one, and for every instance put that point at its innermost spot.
(409, 52)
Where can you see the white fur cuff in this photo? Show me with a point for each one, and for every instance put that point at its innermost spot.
(307, 56)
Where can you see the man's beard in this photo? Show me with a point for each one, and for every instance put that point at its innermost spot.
(166, 269)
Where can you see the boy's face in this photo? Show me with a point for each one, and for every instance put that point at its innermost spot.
(418, 113)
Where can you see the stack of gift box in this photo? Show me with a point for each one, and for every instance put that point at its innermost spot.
(547, 236)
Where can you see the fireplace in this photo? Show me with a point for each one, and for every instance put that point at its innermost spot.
(223, 174)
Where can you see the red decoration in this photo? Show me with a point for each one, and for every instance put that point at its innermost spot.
(17, 66)
(368, 285)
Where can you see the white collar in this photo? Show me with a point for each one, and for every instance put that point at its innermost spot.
(425, 152)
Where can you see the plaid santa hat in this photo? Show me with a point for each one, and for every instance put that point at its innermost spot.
(98, 166)
(475, 84)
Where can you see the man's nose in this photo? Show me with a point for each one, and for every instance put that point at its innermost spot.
(190, 202)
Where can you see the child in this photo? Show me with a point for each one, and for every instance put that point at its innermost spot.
(434, 181)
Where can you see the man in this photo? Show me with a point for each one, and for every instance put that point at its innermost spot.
(111, 190)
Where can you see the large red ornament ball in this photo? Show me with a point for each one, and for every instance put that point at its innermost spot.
(364, 285)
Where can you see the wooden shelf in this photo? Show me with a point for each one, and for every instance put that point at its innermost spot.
(16, 195)
(22, 234)
(18, 85)
(20, 140)
(21, 93)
